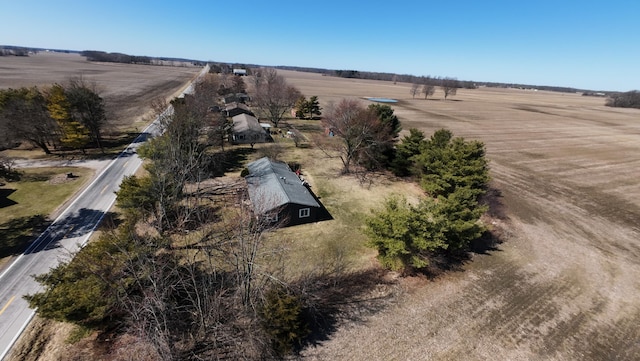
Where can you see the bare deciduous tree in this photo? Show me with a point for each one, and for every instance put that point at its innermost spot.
(358, 129)
(24, 116)
(449, 86)
(428, 90)
(415, 89)
(87, 107)
(272, 95)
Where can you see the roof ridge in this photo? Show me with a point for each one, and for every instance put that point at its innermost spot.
(271, 163)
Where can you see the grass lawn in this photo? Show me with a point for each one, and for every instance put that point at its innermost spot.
(338, 243)
(26, 205)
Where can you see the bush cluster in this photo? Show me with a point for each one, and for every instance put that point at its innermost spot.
(453, 173)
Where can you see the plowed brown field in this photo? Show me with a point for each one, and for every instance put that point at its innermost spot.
(566, 283)
(127, 89)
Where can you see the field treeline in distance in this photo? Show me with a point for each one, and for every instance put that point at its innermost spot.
(630, 99)
(95, 55)
(408, 78)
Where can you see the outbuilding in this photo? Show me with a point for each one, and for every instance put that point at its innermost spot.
(240, 72)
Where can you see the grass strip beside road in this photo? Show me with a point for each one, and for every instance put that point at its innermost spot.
(29, 202)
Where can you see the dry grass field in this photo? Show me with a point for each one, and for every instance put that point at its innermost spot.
(564, 285)
(127, 89)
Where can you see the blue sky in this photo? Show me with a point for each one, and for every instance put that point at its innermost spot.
(583, 44)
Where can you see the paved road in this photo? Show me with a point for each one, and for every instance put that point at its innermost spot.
(66, 234)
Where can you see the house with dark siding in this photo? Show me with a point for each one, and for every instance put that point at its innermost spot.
(279, 195)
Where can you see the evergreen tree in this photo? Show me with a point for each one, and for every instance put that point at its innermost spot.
(281, 316)
(84, 291)
(408, 236)
(136, 196)
(387, 117)
(446, 163)
(307, 109)
(313, 107)
(454, 173)
(410, 146)
(300, 107)
(381, 154)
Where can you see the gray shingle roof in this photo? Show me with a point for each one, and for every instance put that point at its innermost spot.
(272, 185)
(246, 122)
(235, 105)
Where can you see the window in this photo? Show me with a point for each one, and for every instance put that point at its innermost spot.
(271, 217)
(304, 212)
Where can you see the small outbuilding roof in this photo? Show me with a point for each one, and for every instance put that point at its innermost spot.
(272, 184)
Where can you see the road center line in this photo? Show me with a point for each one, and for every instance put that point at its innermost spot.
(68, 231)
(104, 189)
(7, 305)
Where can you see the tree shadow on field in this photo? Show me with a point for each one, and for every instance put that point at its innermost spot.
(454, 261)
(16, 234)
(493, 200)
(345, 297)
(230, 160)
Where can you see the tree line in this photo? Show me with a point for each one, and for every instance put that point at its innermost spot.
(630, 99)
(68, 116)
(95, 55)
(408, 78)
(427, 86)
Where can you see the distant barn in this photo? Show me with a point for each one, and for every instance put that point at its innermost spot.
(240, 72)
